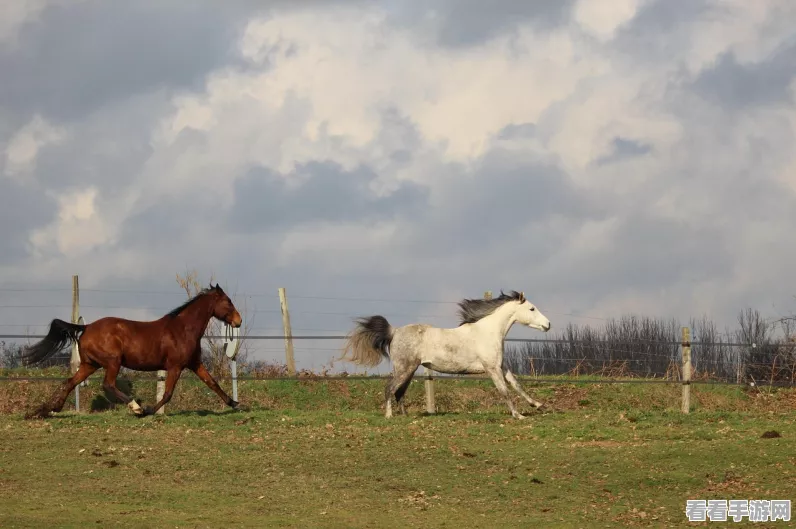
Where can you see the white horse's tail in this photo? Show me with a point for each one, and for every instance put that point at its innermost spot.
(369, 341)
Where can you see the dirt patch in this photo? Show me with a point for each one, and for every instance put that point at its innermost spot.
(568, 397)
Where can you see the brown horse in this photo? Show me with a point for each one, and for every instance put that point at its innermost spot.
(172, 343)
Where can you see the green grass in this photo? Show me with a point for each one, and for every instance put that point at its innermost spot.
(320, 454)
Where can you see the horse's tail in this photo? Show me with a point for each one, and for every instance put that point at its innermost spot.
(369, 341)
(62, 333)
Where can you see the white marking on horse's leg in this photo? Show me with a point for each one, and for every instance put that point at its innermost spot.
(135, 407)
(516, 385)
(500, 383)
(388, 411)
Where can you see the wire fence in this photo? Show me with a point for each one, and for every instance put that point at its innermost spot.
(628, 349)
(558, 360)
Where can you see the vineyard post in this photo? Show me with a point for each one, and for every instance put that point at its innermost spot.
(74, 361)
(686, 354)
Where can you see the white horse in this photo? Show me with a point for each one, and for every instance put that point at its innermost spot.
(474, 347)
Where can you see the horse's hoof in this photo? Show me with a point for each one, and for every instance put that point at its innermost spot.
(234, 404)
(136, 408)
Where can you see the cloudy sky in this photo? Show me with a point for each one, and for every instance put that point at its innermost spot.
(606, 157)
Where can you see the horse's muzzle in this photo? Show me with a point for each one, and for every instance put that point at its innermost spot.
(236, 320)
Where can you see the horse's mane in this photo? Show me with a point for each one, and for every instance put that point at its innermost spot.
(472, 310)
(174, 313)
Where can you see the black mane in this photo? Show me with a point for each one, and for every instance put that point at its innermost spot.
(472, 310)
(174, 313)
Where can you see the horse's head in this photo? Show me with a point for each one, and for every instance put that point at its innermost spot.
(528, 314)
(224, 310)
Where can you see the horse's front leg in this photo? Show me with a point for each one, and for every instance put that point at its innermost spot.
(205, 376)
(497, 377)
(516, 385)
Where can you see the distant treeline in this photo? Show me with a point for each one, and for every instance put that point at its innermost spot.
(756, 350)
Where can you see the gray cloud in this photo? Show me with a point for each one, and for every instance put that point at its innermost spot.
(623, 149)
(513, 131)
(22, 209)
(79, 57)
(485, 208)
(661, 28)
(735, 86)
(108, 149)
(470, 22)
(82, 56)
(264, 201)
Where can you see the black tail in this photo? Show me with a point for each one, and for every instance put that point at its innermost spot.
(369, 342)
(62, 333)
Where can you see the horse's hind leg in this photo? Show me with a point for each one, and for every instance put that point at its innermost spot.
(516, 385)
(109, 385)
(56, 402)
(399, 394)
(500, 383)
(401, 378)
(172, 376)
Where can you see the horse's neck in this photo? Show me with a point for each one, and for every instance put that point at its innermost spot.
(497, 324)
(196, 316)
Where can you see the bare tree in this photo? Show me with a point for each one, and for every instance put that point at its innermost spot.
(10, 355)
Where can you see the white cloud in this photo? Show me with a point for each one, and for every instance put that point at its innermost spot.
(602, 18)
(750, 30)
(79, 228)
(334, 78)
(24, 146)
(322, 85)
(14, 14)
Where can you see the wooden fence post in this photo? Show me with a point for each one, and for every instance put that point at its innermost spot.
(431, 404)
(291, 362)
(161, 389)
(74, 361)
(686, 353)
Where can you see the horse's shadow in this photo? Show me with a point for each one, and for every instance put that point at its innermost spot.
(205, 413)
(105, 401)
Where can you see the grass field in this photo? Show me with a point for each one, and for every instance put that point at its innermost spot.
(320, 454)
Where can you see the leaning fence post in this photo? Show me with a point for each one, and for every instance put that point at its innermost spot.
(289, 358)
(686, 354)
